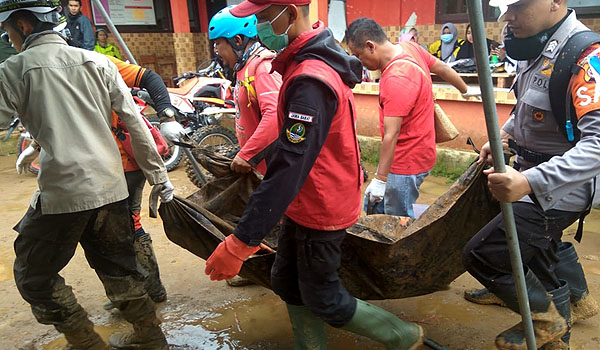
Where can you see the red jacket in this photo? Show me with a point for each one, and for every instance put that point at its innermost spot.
(330, 198)
(256, 95)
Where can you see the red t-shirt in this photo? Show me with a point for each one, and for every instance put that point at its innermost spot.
(406, 91)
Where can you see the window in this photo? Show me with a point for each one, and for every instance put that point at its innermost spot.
(585, 8)
(137, 16)
(194, 16)
(455, 11)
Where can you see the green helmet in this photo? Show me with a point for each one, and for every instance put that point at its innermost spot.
(43, 10)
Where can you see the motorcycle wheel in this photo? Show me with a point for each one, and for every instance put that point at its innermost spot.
(24, 142)
(216, 138)
(173, 157)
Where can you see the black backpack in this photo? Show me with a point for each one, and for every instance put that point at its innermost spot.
(560, 88)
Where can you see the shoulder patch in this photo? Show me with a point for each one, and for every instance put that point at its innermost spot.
(301, 117)
(296, 132)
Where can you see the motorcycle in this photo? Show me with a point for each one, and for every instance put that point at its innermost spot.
(201, 123)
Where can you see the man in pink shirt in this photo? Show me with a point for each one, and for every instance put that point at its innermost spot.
(406, 116)
(256, 89)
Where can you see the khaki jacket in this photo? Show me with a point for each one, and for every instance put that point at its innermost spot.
(64, 97)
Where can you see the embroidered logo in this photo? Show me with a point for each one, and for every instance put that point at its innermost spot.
(538, 115)
(295, 134)
(301, 117)
(552, 46)
(547, 68)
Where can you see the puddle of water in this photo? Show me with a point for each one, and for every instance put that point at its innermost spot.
(6, 264)
(258, 324)
(437, 310)
(103, 330)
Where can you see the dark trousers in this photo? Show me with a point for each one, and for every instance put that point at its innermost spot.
(46, 243)
(135, 186)
(539, 233)
(305, 272)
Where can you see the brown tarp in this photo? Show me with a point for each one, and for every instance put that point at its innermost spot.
(383, 257)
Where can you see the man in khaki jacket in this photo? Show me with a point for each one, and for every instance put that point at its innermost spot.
(64, 97)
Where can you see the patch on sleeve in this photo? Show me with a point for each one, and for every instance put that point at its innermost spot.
(586, 88)
(296, 133)
(301, 117)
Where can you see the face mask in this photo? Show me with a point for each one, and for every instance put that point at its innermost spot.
(268, 37)
(526, 48)
(447, 38)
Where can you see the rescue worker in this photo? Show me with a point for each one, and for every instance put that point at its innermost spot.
(104, 47)
(553, 185)
(255, 93)
(138, 77)
(82, 196)
(256, 89)
(408, 150)
(314, 177)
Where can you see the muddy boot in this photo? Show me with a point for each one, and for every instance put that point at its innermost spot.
(561, 298)
(548, 324)
(146, 333)
(383, 326)
(81, 336)
(310, 332)
(583, 305)
(239, 281)
(147, 260)
(483, 296)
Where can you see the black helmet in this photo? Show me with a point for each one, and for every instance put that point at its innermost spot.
(43, 10)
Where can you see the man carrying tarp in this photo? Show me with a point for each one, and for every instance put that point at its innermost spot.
(314, 178)
(64, 97)
(557, 157)
(406, 114)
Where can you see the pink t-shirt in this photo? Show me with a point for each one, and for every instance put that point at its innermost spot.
(406, 91)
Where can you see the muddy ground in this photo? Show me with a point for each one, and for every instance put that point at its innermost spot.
(201, 314)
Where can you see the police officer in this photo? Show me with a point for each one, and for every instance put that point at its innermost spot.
(554, 185)
(314, 178)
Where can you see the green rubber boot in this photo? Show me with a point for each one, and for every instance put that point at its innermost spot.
(383, 326)
(310, 332)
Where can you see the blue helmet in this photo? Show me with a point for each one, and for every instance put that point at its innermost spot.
(225, 25)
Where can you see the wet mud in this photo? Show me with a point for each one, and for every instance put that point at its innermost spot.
(202, 314)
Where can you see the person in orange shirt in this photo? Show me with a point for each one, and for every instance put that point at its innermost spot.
(171, 130)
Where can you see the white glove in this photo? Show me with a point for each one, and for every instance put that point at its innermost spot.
(172, 131)
(166, 191)
(25, 158)
(375, 191)
(472, 91)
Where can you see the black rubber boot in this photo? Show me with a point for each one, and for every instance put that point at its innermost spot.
(548, 324)
(80, 334)
(147, 260)
(483, 297)
(310, 332)
(583, 305)
(384, 327)
(561, 299)
(146, 334)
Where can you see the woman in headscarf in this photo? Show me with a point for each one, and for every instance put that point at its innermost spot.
(466, 50)
(447, 47)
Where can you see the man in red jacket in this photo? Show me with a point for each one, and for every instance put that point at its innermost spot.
(314, 178)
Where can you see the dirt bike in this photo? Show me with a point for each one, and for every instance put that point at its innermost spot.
(201, 123)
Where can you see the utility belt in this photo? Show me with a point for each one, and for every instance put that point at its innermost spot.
(529, 155)
(539, 158)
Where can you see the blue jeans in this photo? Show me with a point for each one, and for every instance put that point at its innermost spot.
(401, 192)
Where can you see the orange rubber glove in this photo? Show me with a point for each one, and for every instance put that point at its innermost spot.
(226, 261)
